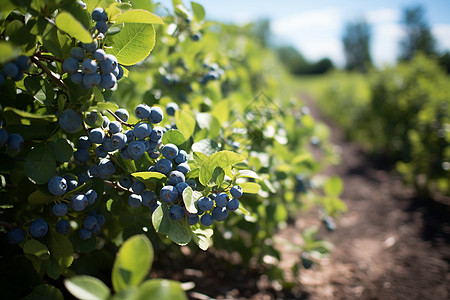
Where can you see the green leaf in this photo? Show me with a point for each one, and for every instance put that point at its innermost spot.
(160, 219)
(250, 187)
(38, 197)
(199, 11)
(102, 106)
(184, 123)
(138, 16)
(133, 44)
(243, 210)
(62, 250)
(247, 173)
(206, 146)
(159, 289)
(202, 237)
(82, 246)
(209, 122)
(53, 268)
(8, 52)
(61, 149)
(189, 198)
(15, 116)
(200, 158)
(127, 165)
(36, 248)
(45, 292)
(133, 263)
(67, 23)
(221, 159)
(87, 288)
(40, 165)
(179, 232)
(147, 176)
(173, 136)
(333, 186)
(54, 40)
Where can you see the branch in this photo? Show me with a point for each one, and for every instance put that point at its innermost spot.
(52, 75)
(119, 119)
(116, 186)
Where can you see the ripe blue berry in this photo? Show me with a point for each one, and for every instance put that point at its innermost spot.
(115, 127)
(91, 196)
(142, 130)
(72, 183)
(38, 228)
(81, 156)
(23, 63)
(57, 185)
(78, 202)
(2, 79)
(108, 81)
(205, 203)
(154, 154)
(222, 200)
(233, 204)
(10, 69)
(142, 111)
(70, 121)
(84, 142)
(89, 222)
(171, 108)
(192, 220)
(90, 47)
(181, 157)
(62, 226)
(181, 187)
(169, 194)
(106, 168)
(176, 212)
(156, 134)
(101, 152)
(15, 142)
(99, 55)
(97, 136)
(109, 64)
(123, 114)
(220, 213)
(3, 137)
(126, 182)
(77, 53)
(60, 209)
(236, 191)
(91, 117)
(120, 74)
(101, 26)
(84, 234)
(99, 14)
(183, 168)
(15, 236)
(156, 115)
(175, 177)
(148, 198)
(136, 149)
(138, 187)
(206, 220)
(163, 166)
(169, 151)
(119, 140)
(134, 200)
(70, 65)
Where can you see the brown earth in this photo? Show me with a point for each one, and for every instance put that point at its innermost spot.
(389, 245)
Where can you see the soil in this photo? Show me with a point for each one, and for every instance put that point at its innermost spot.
(390, 244)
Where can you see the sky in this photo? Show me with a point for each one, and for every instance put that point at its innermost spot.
(315, 28)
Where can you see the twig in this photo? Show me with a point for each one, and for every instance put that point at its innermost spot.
(49, 72)
(119, 119)
(6, 224)
(49, 57)
(116, 186)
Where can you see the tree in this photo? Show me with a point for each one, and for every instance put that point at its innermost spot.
(418, 34)
(356, 40)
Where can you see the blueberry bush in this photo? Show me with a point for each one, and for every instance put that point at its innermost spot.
(128, 122)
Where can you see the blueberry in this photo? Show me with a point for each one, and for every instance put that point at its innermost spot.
(108, 145)
(82, 4)
(171, 108)
(115, 127)
(236, 191)
(10, 69)
(176, 212)
(136, 149)
(90, 47)
(175, 177)
(101, 152)
(123, 114)
(191, 183)
(181, 157)
(169, 194)
(84, 234)
(23, 63)
(205, 203)
(83, 178)
(60, 209)
(97, 136)
(101, 26)
(196, 36)
(119, 140)
(206, 220)
(154, 154)
(70, 121)
(100, 219)
(89, 66)
(192, 220)
(84, 142)
(109, 64)
(2, 79)
(126, 182)
(15, 236)
(93, 171)
(91, 80)
(181, 187)
(15, 142)
(106, 168)
(220, 213)
(120, 74)
(130, 135)
(89, 222)
(138, 187)
(99, 55)
(77, 53)
(62, 226)
(142, 111)
(91, 117)
(38, 228)
(81, 156)
(142, 130)
(3, 137)
(134, 200)
(222, 200)
(233, 204)
(18, 77)
(169, 151)
(91, 196)
(57, 185)
(70, 65)
(163, 166)
(108, 81)
(156, 134)
(156, 115)
(148, 198)
(72, 183)
(183, 168)
(106, 121)
(78, 202)
(99, 14)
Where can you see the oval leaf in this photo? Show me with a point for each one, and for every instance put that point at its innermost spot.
(333, 186)
(184, 123)
(67, 23)
(250, 187)
(220, 159)
(87, 288)
(139, 16)
(161, 289)
(173, 136)
(189, 198)
(133, 262)
(145, 176)
(40, 165)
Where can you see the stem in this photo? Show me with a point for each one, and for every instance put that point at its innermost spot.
(52, 75)
(6, 224)
(115, 185)
(49, 57)
(119, 119)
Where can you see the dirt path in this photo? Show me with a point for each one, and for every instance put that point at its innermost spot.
(389, 245)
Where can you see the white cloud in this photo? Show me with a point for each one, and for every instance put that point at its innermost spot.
(385, 42)
(442, 34)
(383, 15)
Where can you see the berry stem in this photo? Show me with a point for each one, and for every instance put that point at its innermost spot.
(115, 185)
(48, 57)
(119, 119)
(44, 68)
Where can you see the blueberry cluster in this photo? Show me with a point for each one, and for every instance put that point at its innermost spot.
(92, 224)
(13, 140)
(89, 67)
(100, 17)
(302, 183)
(214, 73)
(15, 69)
